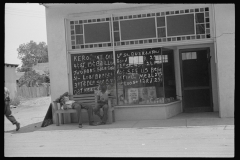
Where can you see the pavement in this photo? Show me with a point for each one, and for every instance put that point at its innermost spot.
(184, 135)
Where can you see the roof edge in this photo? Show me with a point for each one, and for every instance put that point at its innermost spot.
(11, 65)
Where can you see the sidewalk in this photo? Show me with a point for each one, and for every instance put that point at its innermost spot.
(184, 120)
(185, 135)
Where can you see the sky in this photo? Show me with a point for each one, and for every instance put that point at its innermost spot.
(23, 22)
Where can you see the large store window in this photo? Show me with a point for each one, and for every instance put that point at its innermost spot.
(91, 69)
(140, 78)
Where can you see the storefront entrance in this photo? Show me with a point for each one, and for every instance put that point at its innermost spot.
(196, 80)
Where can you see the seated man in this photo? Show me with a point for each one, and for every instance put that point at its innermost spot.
(66, 104)
(102, 102)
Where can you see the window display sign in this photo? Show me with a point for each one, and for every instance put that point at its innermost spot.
(133, 95)
(139, 75)
(138, 67)
(147, 93)
(90, 69)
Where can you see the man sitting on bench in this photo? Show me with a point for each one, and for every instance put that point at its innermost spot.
(66, 104)
(102, 102)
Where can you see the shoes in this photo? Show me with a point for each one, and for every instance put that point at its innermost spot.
(93, 124)
(80, 125)
(17, 126)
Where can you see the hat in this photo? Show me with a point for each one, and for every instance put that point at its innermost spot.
(59, 99)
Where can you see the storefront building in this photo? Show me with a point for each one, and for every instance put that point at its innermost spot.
(158, 60)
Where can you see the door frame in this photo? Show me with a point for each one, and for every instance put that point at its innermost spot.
(209, 72)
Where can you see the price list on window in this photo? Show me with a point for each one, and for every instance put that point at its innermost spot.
(141, 67)
(91, 69)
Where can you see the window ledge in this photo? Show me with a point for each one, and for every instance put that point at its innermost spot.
(148, 105)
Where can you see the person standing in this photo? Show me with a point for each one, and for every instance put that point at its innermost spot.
(7, 111)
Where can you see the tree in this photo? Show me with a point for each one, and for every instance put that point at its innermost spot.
(32, 78)
(32, 53)
(29, 78)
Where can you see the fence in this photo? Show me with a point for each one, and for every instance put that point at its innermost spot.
(33, 92)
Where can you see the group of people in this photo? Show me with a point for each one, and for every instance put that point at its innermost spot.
(65, 102)
(102, 102)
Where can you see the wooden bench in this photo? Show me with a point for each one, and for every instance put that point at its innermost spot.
(90, 99)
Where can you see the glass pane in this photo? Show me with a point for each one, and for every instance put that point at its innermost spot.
(97, 32)
(78, 29)
(169, 75)
(90, 69)
(195, 69)
(207, 25)
(200, 29)
(115, 26)
(160, 21)
(194, 55)
(207, 31)
(139, 77)
(199, 17)
(180, 25)
(138, 29)
(79, 39)
(161, 32)
(206, 14)
(116, 36)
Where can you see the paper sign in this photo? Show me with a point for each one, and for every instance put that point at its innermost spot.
(132, 95)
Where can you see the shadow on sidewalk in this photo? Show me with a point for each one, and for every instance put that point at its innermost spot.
(28, 128)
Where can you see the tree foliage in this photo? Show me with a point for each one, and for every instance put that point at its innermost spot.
(32, 53)
(32, 78)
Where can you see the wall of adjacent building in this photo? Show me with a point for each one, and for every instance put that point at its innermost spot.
(10, 80)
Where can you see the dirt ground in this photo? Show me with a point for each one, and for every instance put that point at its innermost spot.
(29, 111)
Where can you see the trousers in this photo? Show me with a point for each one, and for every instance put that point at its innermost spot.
(8, 113)
(79, 106)
(96, 111)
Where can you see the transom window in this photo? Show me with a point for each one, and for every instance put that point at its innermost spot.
(189, 55)
(159, 27)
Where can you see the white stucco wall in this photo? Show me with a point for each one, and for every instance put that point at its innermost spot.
(10, 80)
(225, 48)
